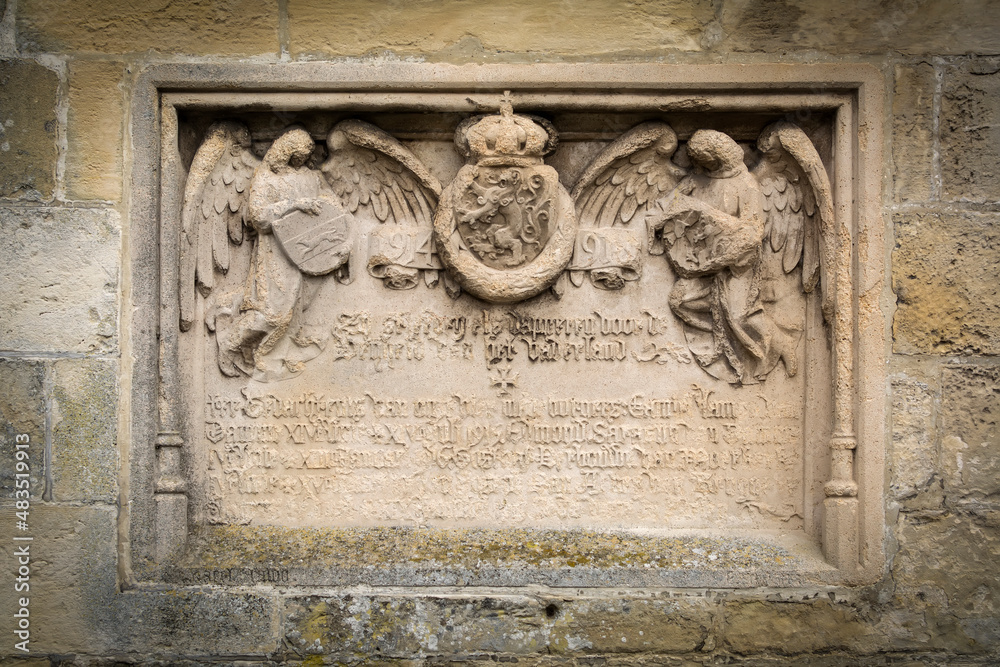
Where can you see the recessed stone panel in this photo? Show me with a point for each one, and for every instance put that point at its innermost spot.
(442, 320)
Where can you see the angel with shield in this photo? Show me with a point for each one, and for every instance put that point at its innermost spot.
(301, 221)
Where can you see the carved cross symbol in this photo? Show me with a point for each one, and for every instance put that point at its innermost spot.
(504, 380)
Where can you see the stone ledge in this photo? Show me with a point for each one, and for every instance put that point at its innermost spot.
(244, 555)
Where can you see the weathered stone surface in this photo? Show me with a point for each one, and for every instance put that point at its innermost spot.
(193, 622)
(946, 576)
(912, 27)
(405, 627)
(60, 271)
(72, 577)
(94, 130)
(914, 450)
(467, 30)
(970, 130)
(632, 626)
(486, 382)
(22, 414)
(913, 131)
(795, 627)
(27, 130)
(943, 273)
(970, 432)
(230, 27)
(84, 447)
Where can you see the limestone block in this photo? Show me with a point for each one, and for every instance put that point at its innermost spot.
(970, 435)
(521, 625)
(945, 573)
(60, 270)
(970, 130)
(27, 130)
(198, 622)
(22, 414)
(944, 274)
(84, 452)
(404, 627)
(466, 30)
(632, 626)
(71, 580)
(229, 27)
(914, 451)
(913, 131)
(936, 26)
(94, 131)
(756, 626)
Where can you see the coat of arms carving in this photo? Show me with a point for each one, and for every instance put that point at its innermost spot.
(506, 226)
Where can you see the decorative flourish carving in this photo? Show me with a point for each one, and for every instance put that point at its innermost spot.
(505, 226)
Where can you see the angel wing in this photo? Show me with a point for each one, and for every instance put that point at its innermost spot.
(369, 168)
(798, 206)
(214, 210)
(627, 176)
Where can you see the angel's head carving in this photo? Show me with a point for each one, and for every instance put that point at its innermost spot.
(292, 148)
(506, 138)
(237, 132)
(769, 142)
(716, 153)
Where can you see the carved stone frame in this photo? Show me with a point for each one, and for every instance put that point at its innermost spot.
(153, 523)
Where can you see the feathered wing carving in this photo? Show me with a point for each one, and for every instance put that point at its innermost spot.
(798, 207)
(619, 186)
(374, 174)
(626, 177)
(214, 210)
(369, 168)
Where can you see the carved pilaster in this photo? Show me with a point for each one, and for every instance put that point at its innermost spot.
(170, 496)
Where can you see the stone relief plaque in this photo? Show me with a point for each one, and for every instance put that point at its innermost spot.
(531, 315)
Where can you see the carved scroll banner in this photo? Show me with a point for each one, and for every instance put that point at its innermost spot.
(613, 256)
(397, 255)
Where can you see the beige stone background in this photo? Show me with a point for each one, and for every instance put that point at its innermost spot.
(67, 69)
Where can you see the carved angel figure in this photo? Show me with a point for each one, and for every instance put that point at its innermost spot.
(301, 222)
(275, 288)
(712, 225)
(745, 246)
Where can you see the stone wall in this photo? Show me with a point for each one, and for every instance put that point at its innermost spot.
(67, 71)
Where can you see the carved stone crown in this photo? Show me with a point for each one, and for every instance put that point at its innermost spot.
(507, 138)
